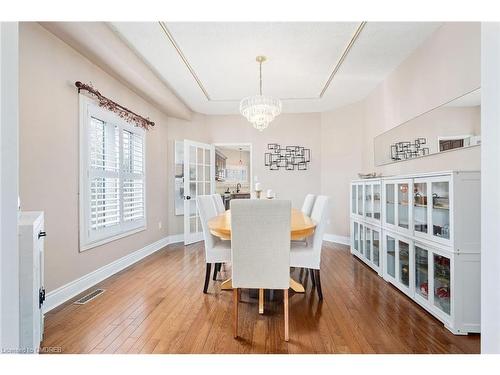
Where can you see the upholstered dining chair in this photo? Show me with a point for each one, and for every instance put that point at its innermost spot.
(216, 250)
(308, 255)
(219, 204)
(308, 204)
(260, 249)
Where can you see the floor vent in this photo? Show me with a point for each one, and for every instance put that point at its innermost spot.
(89, 297)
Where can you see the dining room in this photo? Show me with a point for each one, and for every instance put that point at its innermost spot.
(253, 188)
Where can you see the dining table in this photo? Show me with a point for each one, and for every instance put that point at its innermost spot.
(301, 227)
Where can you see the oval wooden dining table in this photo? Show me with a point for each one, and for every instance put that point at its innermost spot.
(301, 227)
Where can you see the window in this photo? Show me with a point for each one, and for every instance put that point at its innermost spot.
(112, 176)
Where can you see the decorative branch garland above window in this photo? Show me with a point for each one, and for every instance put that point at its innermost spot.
(289, 158)
(120, 110)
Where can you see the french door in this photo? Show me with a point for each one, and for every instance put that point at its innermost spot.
(199, 179)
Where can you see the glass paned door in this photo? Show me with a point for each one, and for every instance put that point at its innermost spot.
(353, 198)
(389, 204)
(360, 199)
(368, 201)
(356, 236)
(403, 206)
(199, 169)
(404, 263)
(442, 292)
(376, 201)
(422, 272)
(420, 207)
(441, 209)
(368, 243)
(376, 247)
(391, 255)
(361, 239)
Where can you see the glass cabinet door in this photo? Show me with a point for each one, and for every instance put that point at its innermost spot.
(422, 272)
(368, 243)
(376, 247)
(360, 199)
(404, 263)
(356, 236)
(376, 201)
(420, 207)
(368, 201)
(389, 204)
(441, 209)
(403, 208)
(361, 239)
(442, 292)
(353, 199)
(391, 255)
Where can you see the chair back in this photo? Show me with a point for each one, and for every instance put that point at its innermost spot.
(319, 215)
(260, 243)
(219, 204)
(206, 208)
(308, 204)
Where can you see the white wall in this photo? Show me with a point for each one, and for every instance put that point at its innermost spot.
(490, 189)
(445, 66)
(49, 157)
(301, 129)
(9, 258)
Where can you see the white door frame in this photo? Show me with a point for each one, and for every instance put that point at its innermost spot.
(9, 190)
(235, 144)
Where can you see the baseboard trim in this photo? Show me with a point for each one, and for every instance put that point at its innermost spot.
(75, 287)
(337, 239)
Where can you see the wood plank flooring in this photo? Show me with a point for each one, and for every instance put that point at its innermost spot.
(157, 306)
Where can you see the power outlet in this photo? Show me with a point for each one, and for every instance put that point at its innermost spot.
(159, 225)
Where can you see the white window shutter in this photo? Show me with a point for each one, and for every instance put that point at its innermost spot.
(133, 182)
(114, 178)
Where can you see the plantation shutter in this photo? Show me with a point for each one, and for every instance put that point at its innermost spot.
(104, 175)
(112, 202)
(133, 176)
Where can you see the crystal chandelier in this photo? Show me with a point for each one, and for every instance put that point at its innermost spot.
(260, 110)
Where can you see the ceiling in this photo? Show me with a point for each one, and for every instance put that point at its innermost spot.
(211, 66)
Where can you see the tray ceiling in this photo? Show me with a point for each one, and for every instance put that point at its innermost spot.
(211, 65)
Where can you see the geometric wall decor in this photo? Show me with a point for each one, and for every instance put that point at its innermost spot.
(288, 158)
(408, 150)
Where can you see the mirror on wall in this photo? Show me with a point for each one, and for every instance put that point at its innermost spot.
(452, 126)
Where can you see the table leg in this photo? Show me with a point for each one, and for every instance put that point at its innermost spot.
(261, 301)
(226, 285)
(296, 286)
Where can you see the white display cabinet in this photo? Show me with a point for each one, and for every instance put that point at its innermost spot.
(428, 241)
(398, 258)
(366, 200)
(397, 208)
(366, 244)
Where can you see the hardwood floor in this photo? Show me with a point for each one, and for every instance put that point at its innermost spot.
(158, 306)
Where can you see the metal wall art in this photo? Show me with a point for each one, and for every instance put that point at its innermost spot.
(288, 158)
(408, 150)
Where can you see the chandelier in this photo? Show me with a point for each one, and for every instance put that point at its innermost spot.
(260, 110)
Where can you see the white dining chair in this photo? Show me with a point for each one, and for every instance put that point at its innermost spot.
(308, 255)
(219, 204)
(308, 204)
(260, 251)
(216, 250)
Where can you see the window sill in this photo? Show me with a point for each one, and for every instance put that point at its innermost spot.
(88, 246)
